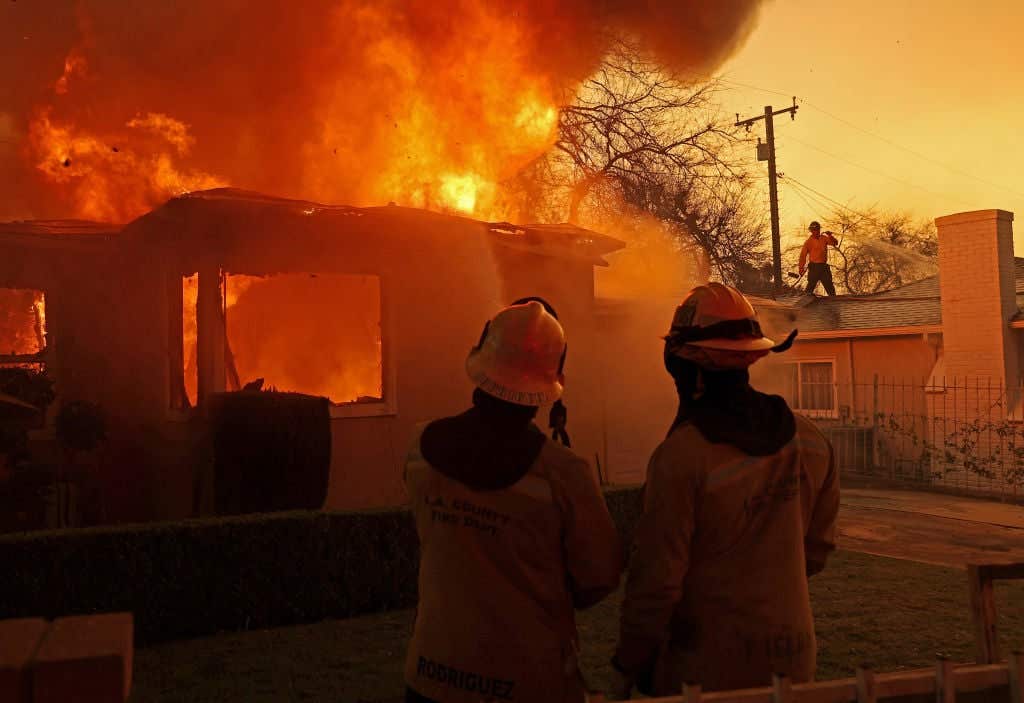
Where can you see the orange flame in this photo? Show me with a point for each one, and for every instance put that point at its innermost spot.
(74, 65)
(459, 121)
(22, 321)
(431, 103)
(111, 182)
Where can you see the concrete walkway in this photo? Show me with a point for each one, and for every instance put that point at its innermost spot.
(930, 528)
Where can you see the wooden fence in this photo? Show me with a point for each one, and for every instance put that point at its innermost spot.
(993, 680)
(980, 578)
(994, 683)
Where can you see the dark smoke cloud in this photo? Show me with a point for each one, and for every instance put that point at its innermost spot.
(303, 99)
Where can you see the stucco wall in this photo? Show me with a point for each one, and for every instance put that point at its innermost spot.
(641, 401)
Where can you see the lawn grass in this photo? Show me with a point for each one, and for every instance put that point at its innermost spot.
(889, 613)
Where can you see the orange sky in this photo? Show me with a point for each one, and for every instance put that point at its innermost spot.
(943, 78)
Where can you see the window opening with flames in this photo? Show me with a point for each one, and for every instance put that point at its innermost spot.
(22, 326)
(318, 334)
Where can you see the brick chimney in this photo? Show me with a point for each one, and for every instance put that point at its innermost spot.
(978, 286)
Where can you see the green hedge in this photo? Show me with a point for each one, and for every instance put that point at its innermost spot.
(197, 577)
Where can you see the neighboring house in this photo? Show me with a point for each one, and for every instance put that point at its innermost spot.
(935, 365)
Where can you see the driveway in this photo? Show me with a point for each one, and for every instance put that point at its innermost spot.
(931, 528)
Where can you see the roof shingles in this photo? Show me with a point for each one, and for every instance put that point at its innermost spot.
(916, 304)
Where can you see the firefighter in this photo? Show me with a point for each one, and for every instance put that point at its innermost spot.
(513, 529)
(740, 510)
(816, 249)
(558, 417)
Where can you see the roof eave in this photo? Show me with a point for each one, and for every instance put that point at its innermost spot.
(907, 331)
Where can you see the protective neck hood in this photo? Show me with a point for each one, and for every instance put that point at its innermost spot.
(489, 447)
(726, 410)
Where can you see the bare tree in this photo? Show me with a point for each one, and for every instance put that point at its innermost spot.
(638, 138)
(723, 224)
(879, 250)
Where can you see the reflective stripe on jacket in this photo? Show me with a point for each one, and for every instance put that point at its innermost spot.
(717, 589)
(500, 572)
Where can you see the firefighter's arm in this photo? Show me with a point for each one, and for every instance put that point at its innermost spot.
(593, 548)
(658, 566)
(832, 239)
(820, 538)
(803, 256)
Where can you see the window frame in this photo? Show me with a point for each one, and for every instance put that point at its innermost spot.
(830, 414)
(36, 357)
(42, 359)
(386, 407)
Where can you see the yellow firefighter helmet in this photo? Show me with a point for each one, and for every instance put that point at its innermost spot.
(715, 318)
(519, 356)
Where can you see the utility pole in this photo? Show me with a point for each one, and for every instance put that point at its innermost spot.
(766, 152)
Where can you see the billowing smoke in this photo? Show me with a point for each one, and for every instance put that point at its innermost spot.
(107, 107)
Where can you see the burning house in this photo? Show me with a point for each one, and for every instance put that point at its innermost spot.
(439, 107)
(373, 308)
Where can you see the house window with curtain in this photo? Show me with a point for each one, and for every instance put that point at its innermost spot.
(810, 388)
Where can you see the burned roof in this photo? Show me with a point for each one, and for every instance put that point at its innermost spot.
(37, 253)
(62, 233)
(228, 218)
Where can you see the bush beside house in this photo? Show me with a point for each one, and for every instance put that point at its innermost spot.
(197, 577)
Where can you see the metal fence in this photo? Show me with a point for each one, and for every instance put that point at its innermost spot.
(964, 435)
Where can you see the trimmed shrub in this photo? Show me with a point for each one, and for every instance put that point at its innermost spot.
(198, 577)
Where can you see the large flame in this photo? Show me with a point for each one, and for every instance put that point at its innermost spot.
(120, 177)
(119, 105)
(429, 103)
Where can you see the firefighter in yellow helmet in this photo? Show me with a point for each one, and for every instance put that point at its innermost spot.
(740, 510)
(514, 532)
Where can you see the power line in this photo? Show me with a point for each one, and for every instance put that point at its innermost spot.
(880, 173)
(805, 198)
(889, 247)
(836, 203)
(912, 152)
(729, 81)
(874, 135)
(825, 198)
